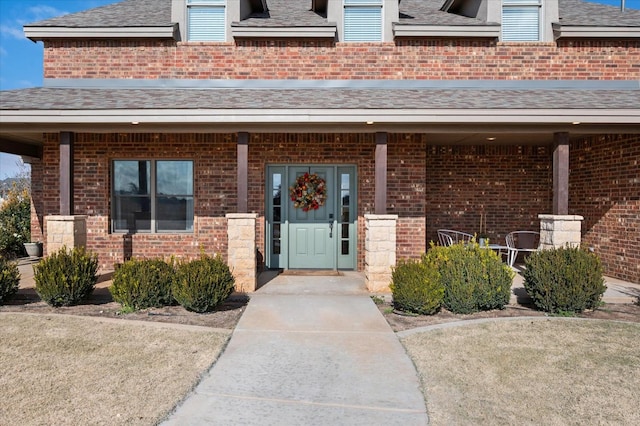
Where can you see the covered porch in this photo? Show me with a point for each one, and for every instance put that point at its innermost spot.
(428, 156)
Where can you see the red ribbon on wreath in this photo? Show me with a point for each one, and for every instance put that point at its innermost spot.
(309, 192)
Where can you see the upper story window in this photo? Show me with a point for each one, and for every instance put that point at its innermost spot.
(206, 20)
(362, 20)
(521, 20)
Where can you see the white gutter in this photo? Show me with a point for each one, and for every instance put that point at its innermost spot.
(19, 118)
(48, 33)
(402, 30)
(571, 31)
(283, 32)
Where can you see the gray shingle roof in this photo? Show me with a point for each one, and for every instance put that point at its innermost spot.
(298, 13)
(427, 12)
(286, 13)
(128, 13)
(104, 99)
(582, 13)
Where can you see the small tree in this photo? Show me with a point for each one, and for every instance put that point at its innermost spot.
(15, 213)
(15, 222)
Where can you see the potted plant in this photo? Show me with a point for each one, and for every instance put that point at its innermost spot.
(34, 249)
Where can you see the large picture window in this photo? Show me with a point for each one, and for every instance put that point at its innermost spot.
(206, 20)
(152, 196)
(521, 20)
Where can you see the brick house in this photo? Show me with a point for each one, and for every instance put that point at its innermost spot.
(171, 127)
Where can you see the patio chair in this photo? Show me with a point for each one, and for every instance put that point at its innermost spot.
(521, 241)
(448, 237)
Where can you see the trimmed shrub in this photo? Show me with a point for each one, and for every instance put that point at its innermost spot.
(15, 223)
(416, 287)
(564, 280)
(9, 279)
(203, 284)
(140, 284)
(473, 278)
(66, 277)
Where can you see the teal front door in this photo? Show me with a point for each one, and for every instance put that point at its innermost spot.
(318, 238)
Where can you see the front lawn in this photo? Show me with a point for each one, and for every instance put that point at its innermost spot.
(64, 370)
(524, 371)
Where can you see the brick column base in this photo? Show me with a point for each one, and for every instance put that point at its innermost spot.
(69, 231)
(379, 250)
(560, 230)
(241, 255)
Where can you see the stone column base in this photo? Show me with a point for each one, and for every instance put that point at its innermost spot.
(241, 255)
(379, 250)
(560, 230)
(69, 231)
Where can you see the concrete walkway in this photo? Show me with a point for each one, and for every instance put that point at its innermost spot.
(309, 351)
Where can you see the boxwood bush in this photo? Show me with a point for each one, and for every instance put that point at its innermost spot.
(143, 283)
(473, 278)
(66, 277)
(9, 279)
(203, 284)
(564, 280)
(416, 287)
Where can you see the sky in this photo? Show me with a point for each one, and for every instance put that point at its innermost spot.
(21, 59)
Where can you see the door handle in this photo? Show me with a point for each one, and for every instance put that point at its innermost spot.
(331, 229)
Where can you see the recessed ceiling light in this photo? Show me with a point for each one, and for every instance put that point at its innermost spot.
(135, 123)
(369, 123)
(491, 139)
(575, 123)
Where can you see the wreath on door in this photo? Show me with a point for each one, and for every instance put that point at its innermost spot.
(309, 192)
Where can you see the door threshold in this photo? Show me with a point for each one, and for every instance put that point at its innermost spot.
(312, 272)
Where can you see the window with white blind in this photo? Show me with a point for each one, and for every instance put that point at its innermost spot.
(206, 20)
(521, 20)
(362, 20)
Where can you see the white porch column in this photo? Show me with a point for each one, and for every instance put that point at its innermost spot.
(379, 250)
(69, 231)
(241, 250)
(560, 230)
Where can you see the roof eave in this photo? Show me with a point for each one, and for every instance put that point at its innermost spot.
(328, 31)
(15, 119)
(473, 31)
(47, 33)
(583, 31)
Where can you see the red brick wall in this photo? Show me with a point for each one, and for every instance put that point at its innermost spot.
(511, 185)
(451, 185)
(215, 172)
(604, 188)
(215, 184)
(294, 59)
(406, 170)
(37, 201)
